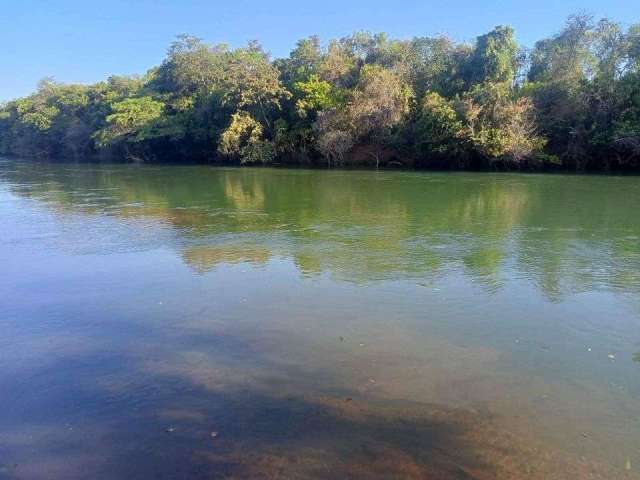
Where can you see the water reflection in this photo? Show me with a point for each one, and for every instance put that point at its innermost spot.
(203, 258)
(565, 234)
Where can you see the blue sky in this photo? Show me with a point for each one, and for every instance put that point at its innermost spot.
(86, 41)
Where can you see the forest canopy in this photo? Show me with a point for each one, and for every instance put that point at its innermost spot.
(571, 101)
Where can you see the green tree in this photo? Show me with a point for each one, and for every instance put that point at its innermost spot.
(499, 126)
(439, 131)
(130, 120)
(243, 140)
(316, 95)
(495, 57)
(303, 62)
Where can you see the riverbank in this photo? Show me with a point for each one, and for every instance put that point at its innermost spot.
(362, 166)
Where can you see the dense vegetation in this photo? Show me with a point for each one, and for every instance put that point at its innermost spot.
(572, 101)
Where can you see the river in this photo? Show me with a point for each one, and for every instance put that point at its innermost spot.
(176, 322)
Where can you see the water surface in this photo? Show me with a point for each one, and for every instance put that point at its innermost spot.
(200, 322)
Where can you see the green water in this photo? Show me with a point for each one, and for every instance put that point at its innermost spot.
(199, 322)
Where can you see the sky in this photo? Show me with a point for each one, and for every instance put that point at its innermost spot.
(86, 41)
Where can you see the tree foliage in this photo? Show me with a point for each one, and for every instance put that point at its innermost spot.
(130, 120)
(243, 140)
(439, 130)
(572, 101)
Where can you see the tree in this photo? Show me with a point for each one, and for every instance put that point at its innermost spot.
(130, 120)
(243, 140)
(436, 64)
(303, 62)
(439, 131)
(191, 67)
(381, 101)
(251, 81)
(517, 121)
(566, 57)
(495, 57)
(316, 95)
(338, 66)
(500, 127)
(334, 144)
(625, 135)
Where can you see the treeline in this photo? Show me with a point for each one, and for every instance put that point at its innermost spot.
(571, 102)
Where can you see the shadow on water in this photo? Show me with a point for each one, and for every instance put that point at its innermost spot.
(224, 409)
(94, 418)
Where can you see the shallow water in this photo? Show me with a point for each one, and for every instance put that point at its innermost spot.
(199, 322)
